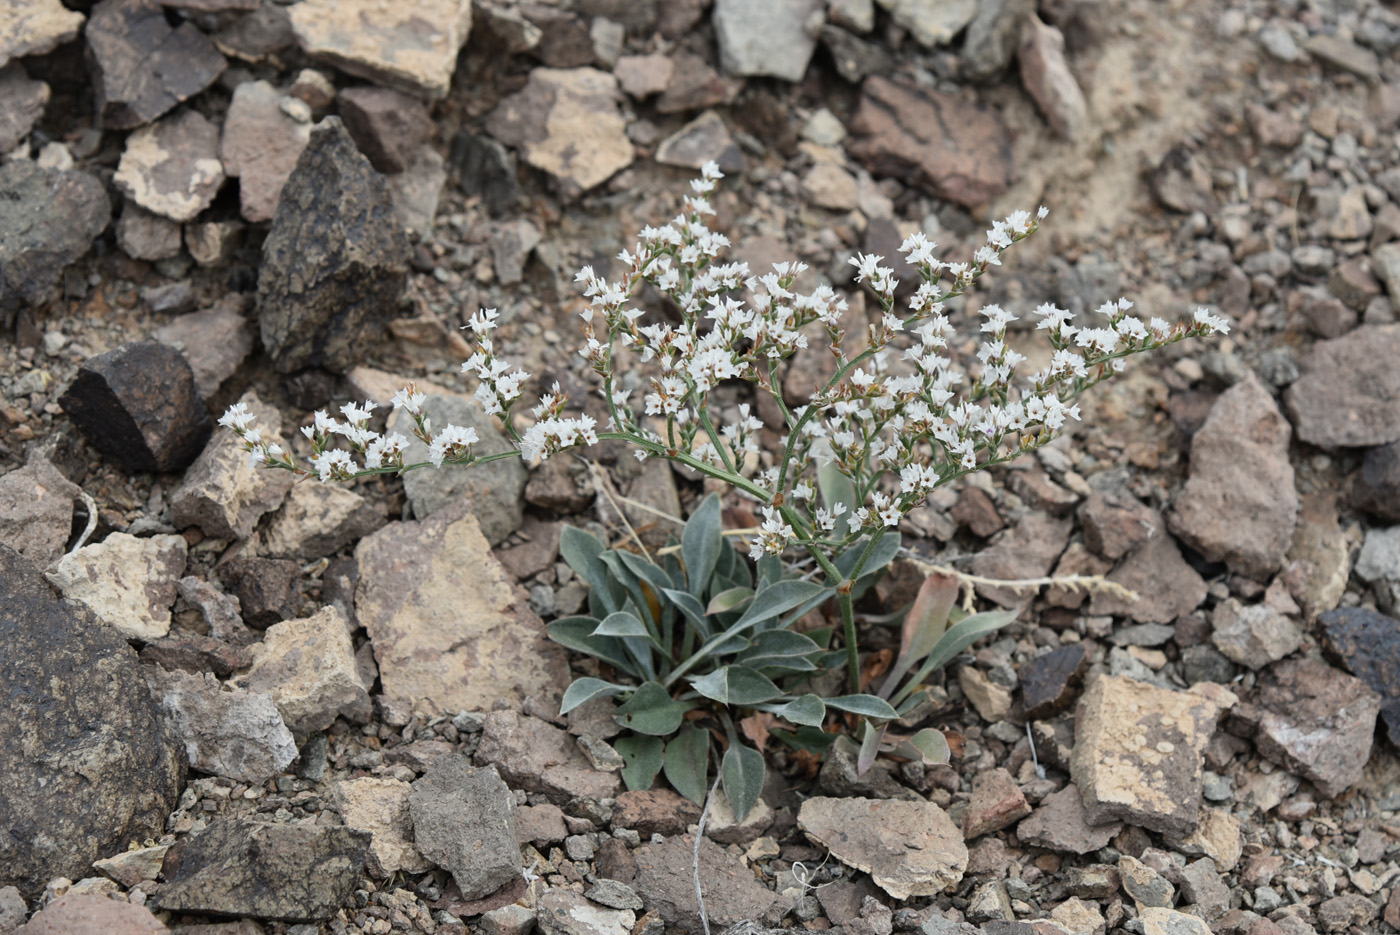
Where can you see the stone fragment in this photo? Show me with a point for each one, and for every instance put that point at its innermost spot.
(257, 35)
(79, 697)
(1182, 183)
(128, 583)
(380, 806)
(1049, 81)
(1347, 395)
(142, 65)
(1077, 915)
(413, 48)
(131, 867)
(1313, 720)
(511, 245)
(566, 122)
(35, 27)
(932, 22)
(1116, 523)
(564, 912)
(172, 167)
(386, 125)
(1166, 585)
(417, 190)
(36, 511)
(450, 631)
(1146, 886)
(726, 828)
(261, 147)
(335, 261)
(1349, 912)
(992, 701)
(771, 39)
(464, 821)
(1218, 836)
(308, 667)
(89, 914)
(1368, 645)
(1050, 681)
(1344, 54)
(538, 757)
(704, 139)
(316, 520)
(484, 167)
(996, 803)
(829, 186)
(1137, 753)
(223, 493)
(901, 130)
(614, 895)
(654, 811)
(214, 341)
(1240, 505)
(992, 38)
(1027, 550)
(694, 85)
(266, 588)
(1202, 887)
(1060, 823)
(146, 236)
(138, 405)
(1319, 557)
(192, 652)
(234, 733)
(22, 103)
(48, 219)
(977, 512)
(293, 872)
(854, 58)
(541, 824)
(666, 884)
(1253, 635)
(908, 848)
(1157, 920)
(641, 76)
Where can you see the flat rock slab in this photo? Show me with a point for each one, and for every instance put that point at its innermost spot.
(451, 631)
(947, 145)
(1368, 645)
(1049, 681)
(128, 583)
(908, 848)
(997, 801)
(22, 103)
(704, 139)
(85, 912)
(773, 39)
(215, 341)
(74, 691)
(1137, 753)
(48, 219)
(138, 405)
(1313, 720)
(335, 261)
(1240, 504)
(387, 126)
(566, 122)
(261, 146)
(464, 821)
(412, 47)
(237, 734)
(1166, 585)
(666, 884)
(1349, 394)
(143, 66)
(1060, 823)
(36, 511)
(289, 872)
(33, 27)
(380, 806)
(536, 756)
(564, 912)
(172, 167)
(318, 519)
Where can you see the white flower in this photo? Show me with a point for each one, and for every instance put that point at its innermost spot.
(333, 464)
(237, 417)
(485, 320)
(410, 400)
(1215, 323)
(802, 491)
(451, 442)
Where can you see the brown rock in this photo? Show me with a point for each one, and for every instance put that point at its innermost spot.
(996, 802)
(538, 552)
(641, 76)
(146, 236)
(380, 806)
(542, 824)
(22, 103)
(704, 139)
(902, 134)
(215, 341)
(1255, 635)
(82, 914)
(977, 512)
(261, 145)
(1272, 128)
(693, 85)
(1049, 681)
(1353, 282)
(654, 811)
(1076, 560)
(1350, 912)
(1182, 183)
(1047, 78)
(1036, 488)
(908, 848)
(36, 511)
(1115, 524)
(172, 167)
(192, 652)
(538, 757)
(143, 66)
(1167, 587)
(266, 588)
(1060, 823)
(1349, 395)
(1326, 317)
(316, 520)
(665, 882)
(386, 125)
(1027, 550)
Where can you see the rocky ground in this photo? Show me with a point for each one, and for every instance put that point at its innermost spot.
(262, 706)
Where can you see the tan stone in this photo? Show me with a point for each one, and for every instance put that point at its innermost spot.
(991, 700)
(908, 848)
(172, 167)
(380, 806)
(1076, 915)
(33, 27)
(131, 867)
(318, 519)
(1159, 921)
(830, 186)
(1219, 837)
(128, 582)
(261, 146)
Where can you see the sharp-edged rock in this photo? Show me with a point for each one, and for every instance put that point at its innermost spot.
(1046, 76)
(22, 103)
(146, 236)
(1349, 395)
(564, 912)
(238, 734)
(34, 27)
(464, 821)
(261, 146)
(317, 520)
(417, 190)
(704, 139)
(535, 755)
(36, 511)
(75, 913)
(214, 341)
(380, 806)
(387, 126)
(142, 65)
(770, 39)
(1368, 644)
(172, 167)
(1377, 489)
(1166, 585)
(665, 883)
(1049, 681)
(128, 583)
(908, 848)
(1060, 823)
(1253, 635)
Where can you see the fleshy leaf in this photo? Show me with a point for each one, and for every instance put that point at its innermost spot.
(865, 705)
(932, 745)
(777, 598)
(742, 771)
(736, 685)
(651, 710)
(621, 623)
(727, 600)
(643, 758)
(583, 690)
(700, 544)
(869, 746)
(688, 762)
(807, 711)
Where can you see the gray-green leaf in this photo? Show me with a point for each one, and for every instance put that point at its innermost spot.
(651, 710)
(688, 762)
(807, 710)
(583, 690)
(643, 758)
(736, 685)
(700, 544)
(778, 597)
(742, 771)
(864, 705)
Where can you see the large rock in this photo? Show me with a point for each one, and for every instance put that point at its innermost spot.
(33, 27)
(1137, 753)
(408, 46)
(143, 66)
(665, 881)
(138, 405)
(261, 146)
(1060, 823)
(908, 848)
(22, 103)
(566, 122)
(387, 126)
(564, 912)
(128, 583)
(225, 494)
(767, 39)
(1166, 585)
(335, 261)
(536, 756)
(451, 631)
(464, 821)
(47, 220)
(172, 167)
(318, 520)
(495, 494)
(91, 765)
(1368, 644)
(293, 872)
(215, 341)
(93, 914)
(944, 144)
(1349, 394)
(235, 733)
(36, 511)
(1239, 505)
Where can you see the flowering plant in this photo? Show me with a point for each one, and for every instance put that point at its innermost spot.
(871, 444)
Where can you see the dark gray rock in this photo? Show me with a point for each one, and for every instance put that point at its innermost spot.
(1368, 645)
(464, 821)
(484, 167)
(335, 261)
(853, 56)
(141, 65)
(47, 220)
(290, 872)
(138, 405)
(992, 36)
(1049, 682)
(1377, 489)
(36, 511)
(266, 588)
(90, 763)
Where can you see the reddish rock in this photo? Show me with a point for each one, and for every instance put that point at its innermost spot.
(944, 144)
(1272, 128)
(665, 883)
(977, 512)
(539, 757)
(1049, 681)
(1116, 523)
(1027, 550)
(1349, 393)
(83, 914)
(1047, 78)
(996, 802)
(654, 811)
(1061, 824)
(1036, 488)
(693, 85)
(386, 125)
(261, 145)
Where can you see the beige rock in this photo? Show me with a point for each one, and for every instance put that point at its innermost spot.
(131, 867)
(451, 632)
(1047, 78)
(172, 167)
(223, 493)
(1076, 915)
(1137, 753)
(261, 145)
(933, 22)
(380, 806)
(991, 700)
(410, 46)
(1219, 837)
(1159, 921)
(36, 511)
(830, 186)
(724, 827)
(33, 27)
(308, 666)
(84, 909)
(908, 848)
(318, 519)
(128, 582)
(215, 341)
